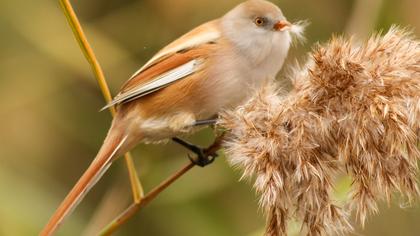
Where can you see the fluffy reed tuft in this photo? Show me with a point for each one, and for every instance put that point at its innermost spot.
(354, 109)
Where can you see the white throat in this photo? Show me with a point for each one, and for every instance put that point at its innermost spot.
(262, 49)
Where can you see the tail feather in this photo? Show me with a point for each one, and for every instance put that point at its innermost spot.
(99, 166)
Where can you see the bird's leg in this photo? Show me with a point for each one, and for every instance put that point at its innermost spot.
(203, 157)
(205, 122)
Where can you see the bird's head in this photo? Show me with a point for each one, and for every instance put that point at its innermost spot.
(259, 30)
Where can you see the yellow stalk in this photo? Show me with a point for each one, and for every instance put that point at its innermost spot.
(136, 186)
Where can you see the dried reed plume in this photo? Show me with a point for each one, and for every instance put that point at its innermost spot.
(354, 109)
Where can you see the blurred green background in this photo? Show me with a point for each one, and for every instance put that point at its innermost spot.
(51, 128)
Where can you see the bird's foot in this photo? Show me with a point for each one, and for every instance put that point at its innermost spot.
(202, 159)
(205, 122)
(204, 156)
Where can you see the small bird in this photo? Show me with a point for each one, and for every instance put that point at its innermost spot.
(215, 66)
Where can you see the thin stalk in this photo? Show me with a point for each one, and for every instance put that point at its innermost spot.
(135, 207)
(87, 50)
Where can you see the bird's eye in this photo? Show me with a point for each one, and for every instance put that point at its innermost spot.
(260, 21)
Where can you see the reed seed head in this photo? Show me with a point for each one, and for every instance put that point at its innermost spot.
(354, 109)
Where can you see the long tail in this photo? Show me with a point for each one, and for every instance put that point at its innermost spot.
(99, 166)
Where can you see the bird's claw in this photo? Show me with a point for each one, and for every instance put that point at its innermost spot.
(204, 156)
(202, 159)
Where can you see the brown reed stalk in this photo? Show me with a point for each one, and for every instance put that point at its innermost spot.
(135, 207)
(355, 110)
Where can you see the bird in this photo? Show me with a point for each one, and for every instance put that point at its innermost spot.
(214, 67)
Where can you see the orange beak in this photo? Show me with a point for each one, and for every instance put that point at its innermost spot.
(282, 25)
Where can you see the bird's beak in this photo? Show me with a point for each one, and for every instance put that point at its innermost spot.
(282, 25)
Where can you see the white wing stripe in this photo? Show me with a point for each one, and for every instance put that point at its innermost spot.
(159, 82)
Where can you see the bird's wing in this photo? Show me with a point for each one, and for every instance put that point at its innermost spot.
(201, 35)
(178, 60)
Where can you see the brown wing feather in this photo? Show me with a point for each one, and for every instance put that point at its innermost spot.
(171, 98)
(152, 72)
(184, 50)
(200, 35)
